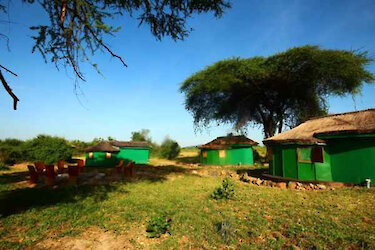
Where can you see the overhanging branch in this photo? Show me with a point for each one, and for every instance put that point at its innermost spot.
(7, 88)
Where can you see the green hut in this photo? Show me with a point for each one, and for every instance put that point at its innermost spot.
(339, 148)
(228, 150)
(109, 153)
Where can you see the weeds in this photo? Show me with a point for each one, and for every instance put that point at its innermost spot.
(158, 225)
(225, 191)
(3, 166)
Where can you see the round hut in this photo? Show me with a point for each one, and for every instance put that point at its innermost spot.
(109, 153)
(228, 150)
(339, 148)
(104, 154)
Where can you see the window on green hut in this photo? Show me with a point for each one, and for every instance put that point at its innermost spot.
(204, 154)
(318, 154)
(310, 154)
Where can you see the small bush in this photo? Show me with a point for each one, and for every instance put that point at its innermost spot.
(169, 149)
(260, 154)
(157, 226)
(225, 230)
(225, 191)
(11, 151)
(3, 166)
(48, 149)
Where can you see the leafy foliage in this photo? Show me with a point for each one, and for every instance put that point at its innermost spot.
(48, 149)
(158, 225)
(225, 230)
(79, 146)
(169, 149)
(225, 191)
(11, 151)
(142, 135)
(3, 166)
(77, 28)
(281, 90)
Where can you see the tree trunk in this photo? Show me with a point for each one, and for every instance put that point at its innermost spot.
(269, 127)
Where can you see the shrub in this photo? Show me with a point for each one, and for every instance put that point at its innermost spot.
(169, 149)
(11, 151)
(225, 231)
(3, 166)
(48, 149)
(260, 153)
(79, 146)
(157, 226)
(225, 191)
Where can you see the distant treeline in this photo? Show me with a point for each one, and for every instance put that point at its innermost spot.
(50, 149)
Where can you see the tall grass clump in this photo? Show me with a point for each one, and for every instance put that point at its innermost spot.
(158, 225)
(225, 191)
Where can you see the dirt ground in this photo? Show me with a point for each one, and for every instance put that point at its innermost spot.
(95, 238)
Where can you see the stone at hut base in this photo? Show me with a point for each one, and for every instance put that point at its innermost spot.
(245, 178)
(281, 185)
(321, 186)
(292, 185)
(258, 182)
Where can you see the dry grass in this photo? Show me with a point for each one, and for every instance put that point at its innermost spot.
(116, 215)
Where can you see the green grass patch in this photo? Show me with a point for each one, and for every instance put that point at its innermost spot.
(258, 217)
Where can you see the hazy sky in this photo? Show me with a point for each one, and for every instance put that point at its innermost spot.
(146, 95)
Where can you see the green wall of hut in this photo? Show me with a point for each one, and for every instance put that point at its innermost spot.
(232, 156)
(139, 155)
(349, 159)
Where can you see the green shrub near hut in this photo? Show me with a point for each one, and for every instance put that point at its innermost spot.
(48, 149)
(169, 149)
(11, 151)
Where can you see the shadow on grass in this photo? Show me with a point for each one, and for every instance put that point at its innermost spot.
(22, 199)
(158, 173)
(17, 201)
(13, 177)
(256, 172)
(188, 160)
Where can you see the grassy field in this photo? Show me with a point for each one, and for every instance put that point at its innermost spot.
(115, 215)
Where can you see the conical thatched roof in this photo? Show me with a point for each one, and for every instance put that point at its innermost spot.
(103, 146)
(227, 141)
(130, 143)
(114, 146)
(357, 122)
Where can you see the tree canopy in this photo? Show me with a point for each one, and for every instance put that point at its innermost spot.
(48, 149)
(281, 90)
(142, 135)
(77, 28)
(169, 149)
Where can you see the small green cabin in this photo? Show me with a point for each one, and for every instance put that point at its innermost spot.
(228, 150)
(338, 148)
(109, 153)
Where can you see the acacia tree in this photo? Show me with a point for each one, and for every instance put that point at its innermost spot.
(77, 28)
(142, 135)
(281, 90)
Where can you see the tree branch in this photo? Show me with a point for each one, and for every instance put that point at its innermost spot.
(8, 89)
(1, 66)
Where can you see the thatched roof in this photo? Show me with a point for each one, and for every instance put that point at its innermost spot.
(103, 146)
(357, 122)
(130, 143)
(228, 141)
(114, 146)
